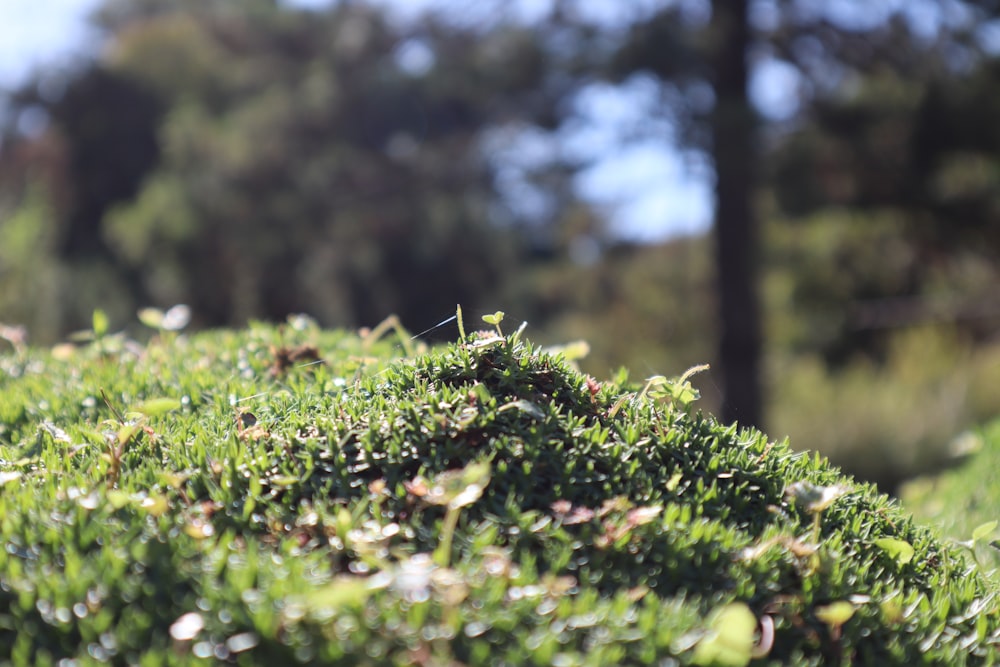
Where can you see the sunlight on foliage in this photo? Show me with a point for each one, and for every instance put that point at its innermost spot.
(294, 495)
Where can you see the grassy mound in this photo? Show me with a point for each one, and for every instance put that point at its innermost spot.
(294, 495)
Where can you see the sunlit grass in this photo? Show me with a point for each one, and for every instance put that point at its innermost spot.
(304, 496)
(964, 502)
(891, 421)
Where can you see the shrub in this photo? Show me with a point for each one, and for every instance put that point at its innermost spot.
(297, 495)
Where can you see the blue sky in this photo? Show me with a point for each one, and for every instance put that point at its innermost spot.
(34, 32)
(648, 193)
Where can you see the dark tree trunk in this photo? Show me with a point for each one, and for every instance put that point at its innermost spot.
(734, 155)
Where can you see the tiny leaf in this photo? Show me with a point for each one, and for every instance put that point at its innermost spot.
(570, 351)
(118, 499)
(984, 530)
(99, 322)
(151, 317)
(494, 319)
(674, 481)
(814, 498)
(282, 481)
(127, 432)
(899, 550)
(835, 614)
(458, 488)
(730, 640)
(158, 406)
(525, 406)
(694, 370)
(156, 505)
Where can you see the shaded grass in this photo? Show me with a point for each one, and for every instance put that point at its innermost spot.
(274, 510)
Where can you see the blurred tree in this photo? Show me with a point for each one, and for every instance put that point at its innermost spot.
(896, 142)
(322, 162)
(700, 61)
(872, 128)
(734, 144)
(259, 160)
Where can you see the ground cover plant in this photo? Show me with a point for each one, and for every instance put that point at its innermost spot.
(286, 495)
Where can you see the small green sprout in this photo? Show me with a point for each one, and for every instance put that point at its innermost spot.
(166, 323)
(461, 322)
(453, 489)
(495, 319)
(814, 499)
(835, 615)
(128, 427)
(678, 390)
(98, 335)
(979, 536)
(100, 324)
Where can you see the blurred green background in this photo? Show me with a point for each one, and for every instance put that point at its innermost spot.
(355, 159)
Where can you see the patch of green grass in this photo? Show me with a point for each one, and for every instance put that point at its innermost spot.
(964, 501)
(307, 496)
(892, 421)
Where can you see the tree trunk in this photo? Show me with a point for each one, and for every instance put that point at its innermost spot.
(734, 154)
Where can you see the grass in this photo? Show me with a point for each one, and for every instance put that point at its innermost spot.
(892, 421)
(304, 496)
(964, 502)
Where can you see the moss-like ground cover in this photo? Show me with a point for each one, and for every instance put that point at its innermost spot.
(281, 496)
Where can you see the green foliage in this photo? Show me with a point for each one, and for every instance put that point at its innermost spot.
(646, 308)
(30, 276)
(268, 161)
(306, 496)
(890, 421)
(964, 501)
